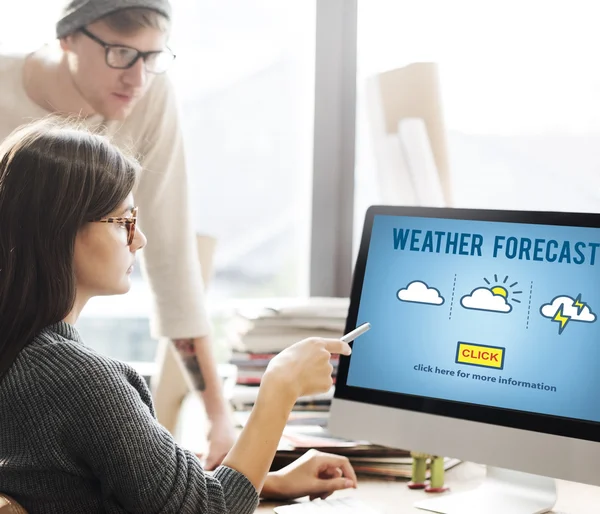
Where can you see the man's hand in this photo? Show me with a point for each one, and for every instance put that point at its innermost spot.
(220, 440)
(315, 474)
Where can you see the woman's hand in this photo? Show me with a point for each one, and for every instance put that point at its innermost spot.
(302, 369)
(315, 474)
(305, 367)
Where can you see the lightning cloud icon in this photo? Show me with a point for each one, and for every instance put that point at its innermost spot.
(564, 309)
(560, 318)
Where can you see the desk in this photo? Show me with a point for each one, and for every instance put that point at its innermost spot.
(393, 497)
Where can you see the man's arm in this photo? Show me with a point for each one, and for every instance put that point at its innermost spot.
(186, 348)
(171, 261)
(203, 377)
(170, 258)
(199, 363)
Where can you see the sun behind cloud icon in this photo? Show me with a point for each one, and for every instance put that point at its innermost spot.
(484, 299)
(420, 292)
(493, 298)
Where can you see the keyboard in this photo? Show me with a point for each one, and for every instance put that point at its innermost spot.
(347, 505)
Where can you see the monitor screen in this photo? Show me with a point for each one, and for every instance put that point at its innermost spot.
(481, 315)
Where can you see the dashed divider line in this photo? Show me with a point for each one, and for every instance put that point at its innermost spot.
(452, 300)
(529, 308)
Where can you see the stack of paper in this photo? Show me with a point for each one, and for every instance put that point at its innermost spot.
(267, 328)
(262, 329)
(244, 398)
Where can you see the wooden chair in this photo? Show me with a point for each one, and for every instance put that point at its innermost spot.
(10, 506)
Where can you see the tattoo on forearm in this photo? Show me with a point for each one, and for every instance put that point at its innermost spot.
(187, 352)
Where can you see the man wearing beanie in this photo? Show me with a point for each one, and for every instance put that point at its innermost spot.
(78, 432)
(109, 68)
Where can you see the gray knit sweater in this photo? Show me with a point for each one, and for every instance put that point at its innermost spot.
(78, 435)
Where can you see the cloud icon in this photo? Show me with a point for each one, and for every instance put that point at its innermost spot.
(482, 299)
(420, 292)
(573, 309)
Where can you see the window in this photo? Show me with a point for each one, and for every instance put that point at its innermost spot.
(19, 31)
(520, 93)
(245, 78)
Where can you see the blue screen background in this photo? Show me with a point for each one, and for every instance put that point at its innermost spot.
(406, 334)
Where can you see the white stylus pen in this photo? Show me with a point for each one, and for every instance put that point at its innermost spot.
(358, 331)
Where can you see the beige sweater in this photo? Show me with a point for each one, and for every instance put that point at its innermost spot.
(152, 133)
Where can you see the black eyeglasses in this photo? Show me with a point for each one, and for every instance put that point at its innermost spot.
(124, 57)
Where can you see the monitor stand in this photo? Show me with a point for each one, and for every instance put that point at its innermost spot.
(501, 492)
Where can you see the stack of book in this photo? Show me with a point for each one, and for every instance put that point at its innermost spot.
(303, 433)
(259, 331)
(366, 459)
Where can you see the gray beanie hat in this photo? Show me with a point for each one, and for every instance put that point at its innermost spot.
(78, 13)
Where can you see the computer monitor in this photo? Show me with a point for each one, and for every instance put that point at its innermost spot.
(484, 346)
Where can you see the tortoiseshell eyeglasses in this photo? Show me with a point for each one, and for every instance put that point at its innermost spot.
(129, 222)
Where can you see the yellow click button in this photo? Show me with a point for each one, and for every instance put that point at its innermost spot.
(480, 355)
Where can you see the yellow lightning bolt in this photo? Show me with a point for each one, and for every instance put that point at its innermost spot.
(579, 304)
(560, 318)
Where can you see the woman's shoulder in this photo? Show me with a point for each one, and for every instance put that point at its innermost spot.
(58, 374)
(65, 360)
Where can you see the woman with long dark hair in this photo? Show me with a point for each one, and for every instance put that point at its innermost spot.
(77, 429)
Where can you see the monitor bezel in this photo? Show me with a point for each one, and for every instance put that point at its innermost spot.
(548, 424)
